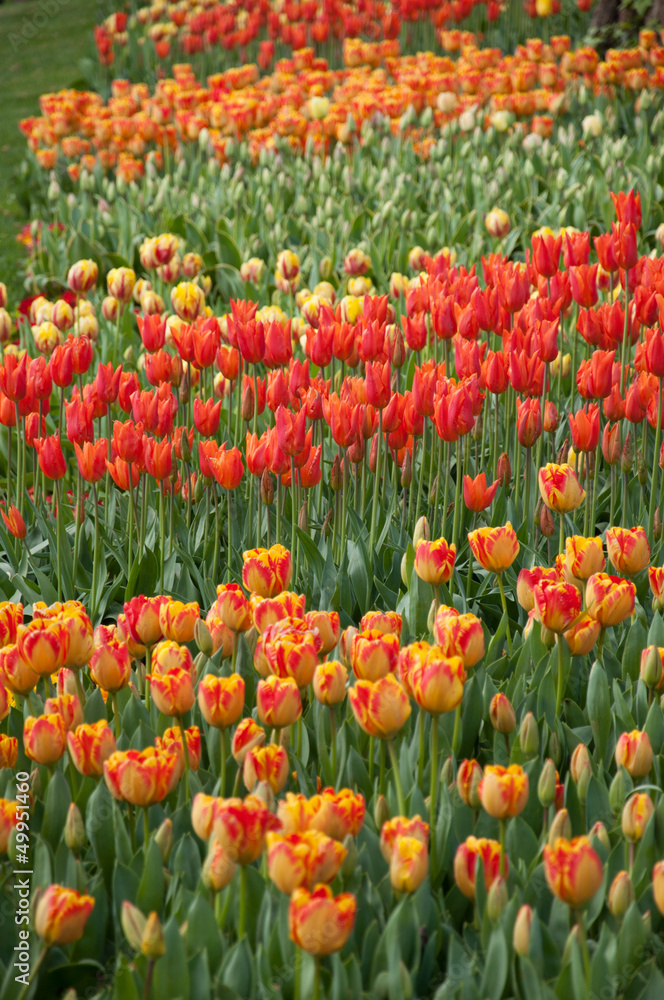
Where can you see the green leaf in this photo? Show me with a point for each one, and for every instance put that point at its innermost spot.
(171, 973)
(56, 807)
(495, 966)
(150, 893)
(598, 705)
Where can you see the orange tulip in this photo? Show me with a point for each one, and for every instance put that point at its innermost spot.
(68, 707)
(583, 558)
(303, 859)
(89, 745)
(110, 666)
(409, 864)
(503, 791)
(43, 644)
(171, 742)
(218, 869)
(240, 825)
(469, 775)
(267, 571)
(477, 495)
(247, 736)
(437, 683)
(141, 777)
(233, 608)
(328, 626)
(142, 616)
(434, 561)
(557, 605)
(8, 821)
(381, 708)
(81, 641)
(14, 522)
(560, 488)
(292, 651)
(318, 922)
(268, 611)
(177, 620)
(44, 738)
(634, 753)
(609, 599)
(401, 826)
(268, 763)
(330, 680)
(19, 677)
(465, 864)
(583, 635)
(61, 915)
(528, 579)
(8, 751)
(374, 654)
(278, 702)
(221, 699)
(459, 635)
(573, 870)
(494, 548)
(637, 811)
(628, 549)
(173, 692)
(501, 713)
(203, 810)
(658, 886)
(656, 581)
(167, 655)
(382, 621)
(336, 813)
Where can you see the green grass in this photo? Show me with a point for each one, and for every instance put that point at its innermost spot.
(41, 45)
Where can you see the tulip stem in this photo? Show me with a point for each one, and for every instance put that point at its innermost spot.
(600, 646)
(148, 655)
(584, 947)
(333, 732)
(148, 979)
(507, 620)
(381, 779)
(146, 830)
(130, 528)
(162, 533)
(655, 464)
(230, 537)
(222, 785)
(116, 714)
(316, 993)
(132, 826)
(185, 751)
(397, 777)
(455, 732)
(297, 985)
(420, 762)
(77, 528)
(371, 760)
(293, 512)
(503, 825)
(241, 932)
(374, 506)
(35, 972)
(79, 687)
(58, 542)
(433, 799)
(561, 536)
(561, 670)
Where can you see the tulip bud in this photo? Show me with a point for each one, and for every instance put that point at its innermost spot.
(404, 570)
(381, 812)
(185, 385)
(651, 672)
(529, 735)
(422, 531)
(35, 784)
(406, 470)
(163, 838)
(561, 826)
(202, 637)
(199, 489)
(267, 488)
(218, 869)
(325, 268)
(185, 447)
(641, 468)
(431, 617)
(657, 525)
(397, 349)
(373, 455)
(433, 493)
(599, 833)
(546, 522)
(74, 829)
(336, 477)
(133, 925)
(447, 773)
(627, 457)
(575, 935)
(521, 933)
(504, 469)
(263, 792)
(153, 945)
(621, 894)
(618, 790)
(502, 715)
(555, 750)
(579, 763)
(546, 786)
(247, 409)
(647, 923)
(350, 861)
(303, 518)
(497, 899)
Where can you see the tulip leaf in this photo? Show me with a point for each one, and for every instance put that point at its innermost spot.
(56, 806)
(186, 863)
(631, 658)
(202, 930)
(150, 894)
(99, 829)
(495, 967)
(124, 984)
(656, 630)
(598, 705)
(95, 707)
(237, 969)
(171, 973)
(199, 975)
(631, 943)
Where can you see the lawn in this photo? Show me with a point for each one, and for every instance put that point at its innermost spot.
(41, 45)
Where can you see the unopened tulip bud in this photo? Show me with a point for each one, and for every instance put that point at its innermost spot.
(422, 531)
(504, 469)
(561, 826)
(35, 784)
(657, 525)
(548, 637)
(579, 763)
(381, 812)
(627, 456)
(529, 735)
(575, 935)
(218, 869)
(555, 750)
(404, 570)
(202, 637)
(497, 899)
(431, 617)
(406, 470)
(477, 429)
(153, 945)
(546, 786)
(546, 522)
(641, 468)
(325, 268)
(561, 457)
(133, 925)
(521, 933)
(599, 834)
(336, 476)
(651, 671)
(247, 408)
(163, 838)
(502, 714)
(447, 773)
(185, 447)
(303, 518)
(350, 861)
(635, 815)
(621, 894)
(618, 790)
(263, 792)
(267, 488)
(74, 829)
(185, 386)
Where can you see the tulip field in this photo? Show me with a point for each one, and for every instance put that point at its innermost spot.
(331, 500)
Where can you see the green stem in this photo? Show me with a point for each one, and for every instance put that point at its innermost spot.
(148, 979)
(230, 537)
(374, 506)
(457, 725)
(132, 826)
(35, 972)
(316, 995)
(146, 830)
(561, 675)
(397, 777)
(507, 619)
(655, 465)
(561, 535)
(116, 714)
(433, 792)
(297, 985)
(148, 665)
(162, 533)
(381, 779)
(185, 751)
(420, 761)
(79, 687)
(503, 825)
(241, 931)
(333, 731)
(224, 751)
(58, 533)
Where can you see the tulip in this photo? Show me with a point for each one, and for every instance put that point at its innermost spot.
(247, 736)
(8, 820)
(635, 815)
(652, 667)
(89, 745)
(267, 571)
(177, 620)
(291, 651)
(469, 775)
(434, 561)
(318, 922)
(380, 708)
(142, 615)
(557, 605)
(503, 791)
(560, 488)
(383, 621)
(634, 753)
(658, 886)
(409, 864)
(167, 655)
(269, 764)
(8, 751)
(171, 742)
(583, 558)
(303, 859)
(110, 666)
(582, 635)
(233, 608)
(221, 699)
(573, 870)
(338, 814)
(477, 495)
(502, 714)
(437, 682)
(61, 915)
(44, 738)
(278, 702)
(414, 828)
(68, 707)
(173, 691)
(141, 777)
(459, 635)
(240, 825)
(656, 581)
(269, 610)
(621, 894)
(329, 683)
(521, 932)
(465, 864)
(628, 550)
(43, 645)
(374, 654)
(328, 626)
(218, 869)
(494, 548)
(14, 522)
(609, 599)
(51, 460)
